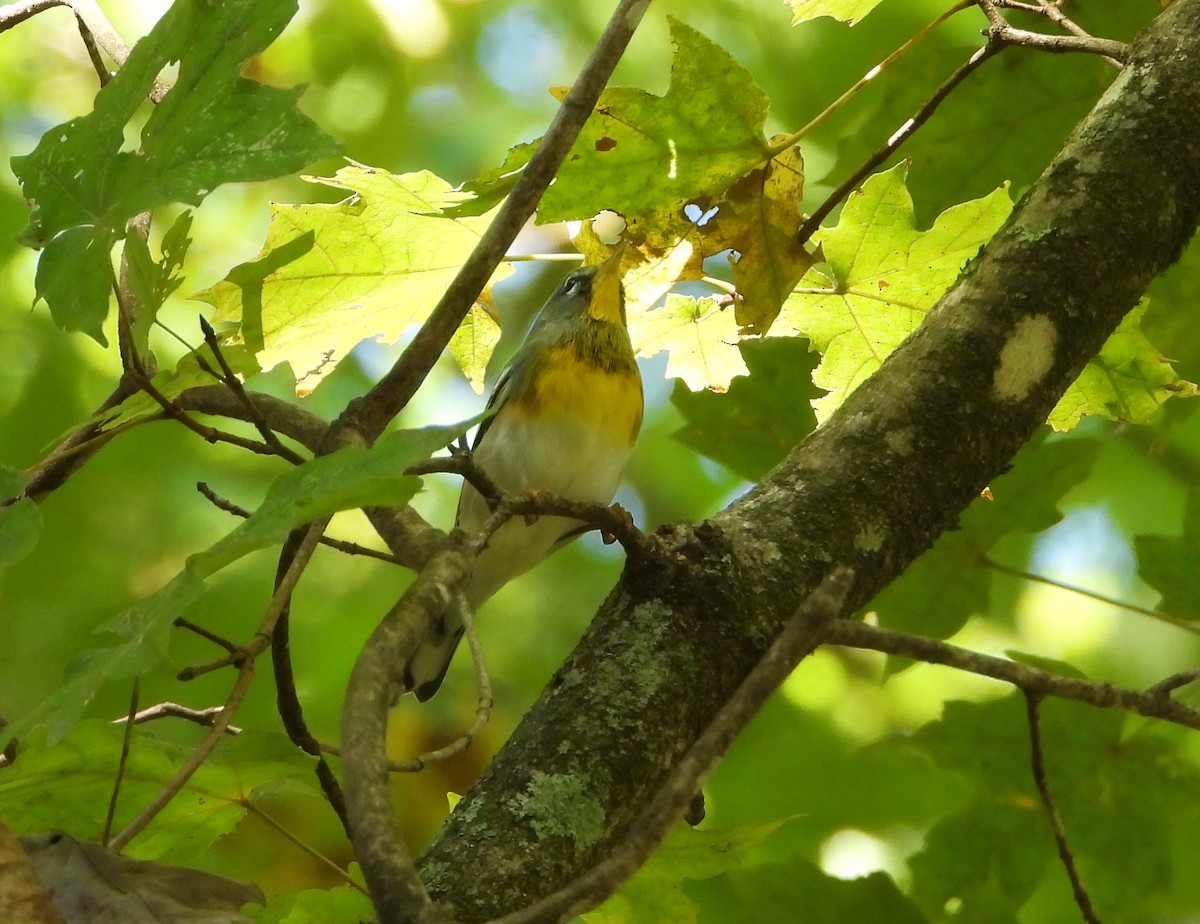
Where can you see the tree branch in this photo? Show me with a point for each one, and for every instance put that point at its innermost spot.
(1038, 767)
(873, 488)
(1152, 703)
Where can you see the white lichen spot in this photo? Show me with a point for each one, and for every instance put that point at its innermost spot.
(1025, 358)
(870, 538)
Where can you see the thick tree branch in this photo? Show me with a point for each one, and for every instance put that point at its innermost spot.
(872, 488)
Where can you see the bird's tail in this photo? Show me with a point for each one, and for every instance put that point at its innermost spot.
(427, 667)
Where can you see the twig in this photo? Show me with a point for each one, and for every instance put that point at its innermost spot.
(341, 545)
(788, 140)
(902, 134)
(1169, 685)
(240, 687)
(126, 740)
(205, 717)
(287, 698)
(205, 634)
(1091, 595)
(1037, 760)
(999, 30)
(1022, 676)
(798, 639)
(230, 380)
(371, 413)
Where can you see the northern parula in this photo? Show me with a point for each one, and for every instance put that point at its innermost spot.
(568, 408)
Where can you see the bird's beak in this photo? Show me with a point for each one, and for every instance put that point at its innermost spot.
(608, 301)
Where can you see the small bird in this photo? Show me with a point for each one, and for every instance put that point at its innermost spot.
(567, 410)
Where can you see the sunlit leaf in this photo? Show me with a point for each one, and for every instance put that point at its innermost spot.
(763, 415)
(848, 11)
(331, 276)
(883, 276)
(473, 343)
(1128, 380)
(700, 336)
(641, 152)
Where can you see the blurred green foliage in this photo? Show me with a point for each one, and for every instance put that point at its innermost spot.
(866, 790)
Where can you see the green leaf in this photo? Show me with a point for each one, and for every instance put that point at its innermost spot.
(213, 127)
(20, 522)
(639, 152)
(1168, 563)
(847, 11)
(75, 278)
(152, 281)
(350, 478)
(764, 414)
(20, 529)
(145, 628)
(473, 344)
(331, 276)
(656, 893)
(347, 479)
(1127, 381)
(949, 584)
(810, 897)
(883, 277)
(1109, 793)
(66, 786)
(701, 337)
(315, 906)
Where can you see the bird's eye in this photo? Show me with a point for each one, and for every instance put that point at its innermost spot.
(572, 284)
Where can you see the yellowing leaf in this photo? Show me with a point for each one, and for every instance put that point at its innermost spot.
(760, 217)
(885, 276)
(700, 336)
(473, 343)
(331, 276)
(848, 11)
(1126, 381)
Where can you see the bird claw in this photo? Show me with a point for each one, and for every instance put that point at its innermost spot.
(536, 497)
(626, 519)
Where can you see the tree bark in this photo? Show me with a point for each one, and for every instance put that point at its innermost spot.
(872, 489)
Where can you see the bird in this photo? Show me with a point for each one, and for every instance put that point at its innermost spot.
(567, 410)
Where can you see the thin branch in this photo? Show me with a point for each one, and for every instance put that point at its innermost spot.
(287, 698)
(370, 413)
(240, 687)
(1169, 685)
(1170, 620)
(1059, 44)
(902, 134)
(230, 380)
(788, 140)
(798, 639)
(281, 416)
(1027, 678)
(341, 545)
(126, 740)
(1037, 760)
(205, 717)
